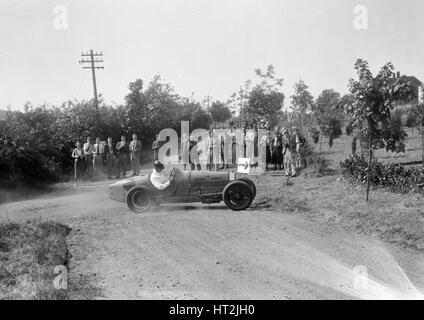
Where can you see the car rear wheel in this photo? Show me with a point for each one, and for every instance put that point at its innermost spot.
(237, 195)
(139, 200)
(251, 185)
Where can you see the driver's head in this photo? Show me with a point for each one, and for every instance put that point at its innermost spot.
(158, 165)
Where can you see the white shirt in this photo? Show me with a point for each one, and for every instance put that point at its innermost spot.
(89, 149)
(159, 180)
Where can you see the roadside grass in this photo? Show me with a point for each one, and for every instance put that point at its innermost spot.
(342, 150)
(323, 195)
(29, 252)
(389, 216)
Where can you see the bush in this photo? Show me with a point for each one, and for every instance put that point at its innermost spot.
(21, 164)
(393, 176)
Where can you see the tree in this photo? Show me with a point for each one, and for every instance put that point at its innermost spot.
(328, 115)
(261, 103)
(372, 106)
(219, 111)
(301, 101)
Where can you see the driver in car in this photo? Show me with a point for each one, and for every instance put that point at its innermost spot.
(157, 178)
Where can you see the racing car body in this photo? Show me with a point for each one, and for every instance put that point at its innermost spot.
(186, 187)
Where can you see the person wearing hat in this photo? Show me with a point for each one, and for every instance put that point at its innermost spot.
(157, 178)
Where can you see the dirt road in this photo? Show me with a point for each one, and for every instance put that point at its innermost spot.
(209, 252)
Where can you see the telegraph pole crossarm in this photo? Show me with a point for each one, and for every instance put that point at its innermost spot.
(92, 65)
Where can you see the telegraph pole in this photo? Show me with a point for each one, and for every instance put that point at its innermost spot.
(94, 57)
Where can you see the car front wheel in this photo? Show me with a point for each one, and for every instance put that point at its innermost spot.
(237, 195)
(139, 200)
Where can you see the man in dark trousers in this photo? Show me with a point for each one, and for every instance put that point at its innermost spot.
(122, 150)
(110, 152)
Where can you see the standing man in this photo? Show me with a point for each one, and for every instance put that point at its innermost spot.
(299, 140)
(88, 153)
(289, 150)
(79, 157)
(97, 157)
(122, 149)
(185, 150)
(110, 152)
(155, 148)
(277, 149)
(135, 153)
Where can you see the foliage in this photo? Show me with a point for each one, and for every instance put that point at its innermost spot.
(35, 145)
(302, 102)
(373, 103)
(261, 103)
(219, 111)
(328, 114)
(393, 176)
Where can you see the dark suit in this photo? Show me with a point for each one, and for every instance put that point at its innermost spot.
(110, 154)
(123, 150)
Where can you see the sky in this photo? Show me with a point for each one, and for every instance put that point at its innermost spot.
(201, 47)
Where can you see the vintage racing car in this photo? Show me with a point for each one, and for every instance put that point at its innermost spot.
(186, 187)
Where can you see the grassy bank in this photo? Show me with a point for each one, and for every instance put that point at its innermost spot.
(396, 218)
(29, 252)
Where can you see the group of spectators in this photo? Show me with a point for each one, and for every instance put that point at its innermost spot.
(93, 160)
(283, 151)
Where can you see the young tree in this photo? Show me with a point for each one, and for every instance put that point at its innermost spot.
(372, 106)
(328, 114)
(302, 101)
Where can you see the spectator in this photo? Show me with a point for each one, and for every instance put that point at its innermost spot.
(300, 141)
(234, 146)
(194, 155)
(277, 149)
(267, 140)
(155, 148)
(79, 165)
(110, 152)
(185, 149)
(97, 157)
(289, 150)
(88, 153)
(122, 149)
(135, 153)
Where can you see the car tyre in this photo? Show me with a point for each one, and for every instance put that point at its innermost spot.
(237, 195)
(251, 185)
(139, 200)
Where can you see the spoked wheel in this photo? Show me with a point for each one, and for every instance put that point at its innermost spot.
(138, 200)
(237, 195)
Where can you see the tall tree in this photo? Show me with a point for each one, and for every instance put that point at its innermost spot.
(373, 104)
(302, 101)
(219, 111)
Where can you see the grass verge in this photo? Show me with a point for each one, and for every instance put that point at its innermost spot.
(29, 252)
(395, 218)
